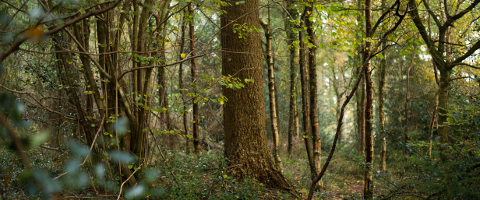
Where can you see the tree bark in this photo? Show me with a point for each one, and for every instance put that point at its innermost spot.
(360, 95)
(381, 121)
(271, 93)
(443, 104)
(305, 102)
(368, 179)
(180, 85)
(432, 123)
(292, 49)
(312, 69)
(196, 138)
(244, 112)
(381, 118)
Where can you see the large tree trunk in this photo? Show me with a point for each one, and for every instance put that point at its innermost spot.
(196, 138)
(368, 179)
(244, 112)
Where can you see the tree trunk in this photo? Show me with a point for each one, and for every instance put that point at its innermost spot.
(405, 139)
(292, 49)
(406, 104)
(312, 69)
(443, 104)
(196, 139)
(244, 112)
(271, 93)
(305, 106)
(383, 154)
(368, 179)
(432, 123)
(361, 125)
(360, 95)
(381, 121)
(180, 85)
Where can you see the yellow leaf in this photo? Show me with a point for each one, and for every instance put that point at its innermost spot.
(182, 55)
(6, 179)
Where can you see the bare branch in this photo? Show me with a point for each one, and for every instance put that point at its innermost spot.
(155, 66)
(17, 44)
(465, 64)
(452, 19)
(472, 50)
(39, 103)
(90, 150)
(121, 186)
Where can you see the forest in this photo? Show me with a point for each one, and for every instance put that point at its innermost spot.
(240, 99)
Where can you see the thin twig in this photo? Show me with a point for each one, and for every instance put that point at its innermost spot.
(121, 186)
(39, 103)
(90, 150)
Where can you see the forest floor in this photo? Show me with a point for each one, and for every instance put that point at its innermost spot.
(182, 176)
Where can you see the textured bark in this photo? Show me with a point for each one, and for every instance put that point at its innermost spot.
(360, 95)
(292, 49)
(180, 85)
(312, 69)
(368, 179)
(244, 112)
(443, 104)
(139, 143)
(196, 138)
(381, 118)
(271, 93)
(305, 106)
(361, 126)
(65, 70)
